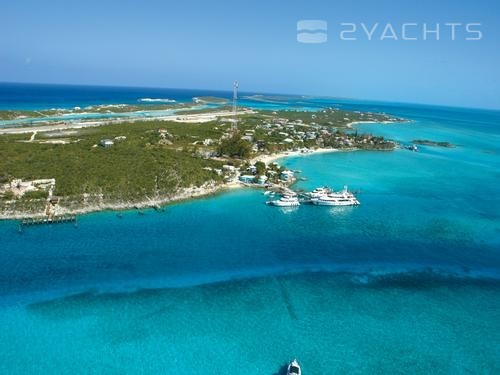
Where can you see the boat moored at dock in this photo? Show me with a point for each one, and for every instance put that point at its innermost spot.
(287, 200)
(321, 196)
(319, 192)
(341, 198)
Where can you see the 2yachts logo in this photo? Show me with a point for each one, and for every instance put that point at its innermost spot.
(314, 31)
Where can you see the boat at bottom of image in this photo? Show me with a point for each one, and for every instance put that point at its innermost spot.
(293, 368)
(341, 198)
(287, 200)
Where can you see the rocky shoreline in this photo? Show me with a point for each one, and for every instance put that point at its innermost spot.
(184, 194)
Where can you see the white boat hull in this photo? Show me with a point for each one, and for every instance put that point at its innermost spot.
(284, 204)
(320, 202)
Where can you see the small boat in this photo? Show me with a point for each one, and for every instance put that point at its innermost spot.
(341, 198)
(293, 368)
(413, 148)
(287, 200)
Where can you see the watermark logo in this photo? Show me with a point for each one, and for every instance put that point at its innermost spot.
(312, 31)
(315, 31)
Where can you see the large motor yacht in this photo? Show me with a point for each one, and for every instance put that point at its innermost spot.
(319, 192)
(341, 198)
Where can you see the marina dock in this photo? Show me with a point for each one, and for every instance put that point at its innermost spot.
(45, 220)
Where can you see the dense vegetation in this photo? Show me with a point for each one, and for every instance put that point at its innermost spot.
(330, 117)
(234, 146)
(144, 164)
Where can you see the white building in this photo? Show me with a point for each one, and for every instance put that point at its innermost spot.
(106, 143)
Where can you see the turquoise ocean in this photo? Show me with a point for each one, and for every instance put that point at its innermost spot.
(406, 283)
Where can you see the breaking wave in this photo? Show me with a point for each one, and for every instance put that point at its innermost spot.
(157, 100)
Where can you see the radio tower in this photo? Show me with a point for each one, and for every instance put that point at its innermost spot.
(234, 125)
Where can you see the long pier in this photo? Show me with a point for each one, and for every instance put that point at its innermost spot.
(45, 220)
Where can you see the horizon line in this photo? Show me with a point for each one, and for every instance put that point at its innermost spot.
(255, 92)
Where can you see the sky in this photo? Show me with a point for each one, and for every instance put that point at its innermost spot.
(209, 44)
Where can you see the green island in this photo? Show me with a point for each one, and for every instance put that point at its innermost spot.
(148, 163)
(6, 115)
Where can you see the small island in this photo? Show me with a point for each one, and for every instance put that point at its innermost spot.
(83, 166)
(28, 116)
(426, 142)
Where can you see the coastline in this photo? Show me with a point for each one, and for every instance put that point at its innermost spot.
(193, 192)
(270, 158)
(58, 126)
(67, 124)
(350, 124)
(185, 194)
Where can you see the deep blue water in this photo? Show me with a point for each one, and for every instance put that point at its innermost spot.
(39, 96)
(408, 282)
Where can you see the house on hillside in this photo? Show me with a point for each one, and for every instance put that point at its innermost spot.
(106, 143)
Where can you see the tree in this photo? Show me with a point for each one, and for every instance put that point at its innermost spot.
(234, 146)
(261, 168)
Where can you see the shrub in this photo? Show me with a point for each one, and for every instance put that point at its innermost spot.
(235, 147)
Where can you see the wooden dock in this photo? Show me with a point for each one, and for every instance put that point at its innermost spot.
(45, 220)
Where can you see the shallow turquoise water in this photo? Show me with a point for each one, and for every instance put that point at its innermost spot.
(332, 323)
(143, 114)
(408, 282)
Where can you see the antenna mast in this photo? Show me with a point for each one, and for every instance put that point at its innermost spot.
(234, 125)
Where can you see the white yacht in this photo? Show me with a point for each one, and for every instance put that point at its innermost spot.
(319, 192)
(294, 368)
(287, 200)
(341, 198)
